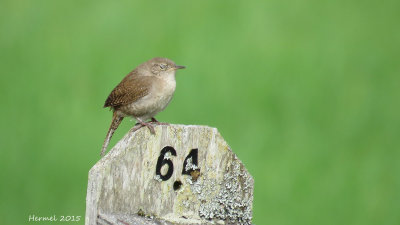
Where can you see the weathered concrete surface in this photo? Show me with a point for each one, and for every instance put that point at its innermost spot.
(115, 219)
(216, 189)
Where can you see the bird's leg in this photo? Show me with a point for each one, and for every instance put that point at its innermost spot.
(136, 127)
(153, 120)
(143, 124)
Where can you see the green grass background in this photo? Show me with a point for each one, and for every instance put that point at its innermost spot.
(305, 92)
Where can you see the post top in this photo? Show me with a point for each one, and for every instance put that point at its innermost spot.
(182, 174)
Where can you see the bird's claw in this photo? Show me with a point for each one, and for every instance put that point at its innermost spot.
(151, 128)
(144, 124)
(154, 121)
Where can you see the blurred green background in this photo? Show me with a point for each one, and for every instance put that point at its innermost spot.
(305, 92)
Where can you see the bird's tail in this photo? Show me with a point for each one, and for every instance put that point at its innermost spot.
(116, 120)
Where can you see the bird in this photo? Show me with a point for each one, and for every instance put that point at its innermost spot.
(142, 94)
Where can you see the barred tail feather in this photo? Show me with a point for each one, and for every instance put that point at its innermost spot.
(116, 120)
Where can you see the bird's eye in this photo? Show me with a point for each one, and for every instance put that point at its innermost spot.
(163, 66)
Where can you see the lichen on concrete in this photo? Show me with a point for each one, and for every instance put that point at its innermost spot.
(189, 165)
(230, 202)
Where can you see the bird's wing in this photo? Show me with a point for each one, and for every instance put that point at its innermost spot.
(129, 90)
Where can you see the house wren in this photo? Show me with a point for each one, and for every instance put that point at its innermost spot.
(142, 94)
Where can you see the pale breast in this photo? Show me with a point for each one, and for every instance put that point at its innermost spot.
(157, 100)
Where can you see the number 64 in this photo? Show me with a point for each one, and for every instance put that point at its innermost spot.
(192, 158)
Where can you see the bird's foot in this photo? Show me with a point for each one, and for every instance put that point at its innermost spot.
(151, 128)
(136, 127)
(153, 120)
(144, 124)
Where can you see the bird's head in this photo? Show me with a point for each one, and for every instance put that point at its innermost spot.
(162, 66)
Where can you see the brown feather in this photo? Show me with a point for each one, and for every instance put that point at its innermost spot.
(131, 89)
(116, 120)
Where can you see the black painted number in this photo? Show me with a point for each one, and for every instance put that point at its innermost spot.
(190, 163)
(162, 160)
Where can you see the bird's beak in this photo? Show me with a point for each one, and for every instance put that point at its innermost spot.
(179, 67)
